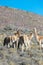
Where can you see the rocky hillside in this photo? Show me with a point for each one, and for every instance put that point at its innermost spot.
(20, 19)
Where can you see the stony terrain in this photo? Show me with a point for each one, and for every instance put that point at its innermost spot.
(12, 20)
(20, 19)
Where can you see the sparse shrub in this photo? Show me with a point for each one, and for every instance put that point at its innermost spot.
(1, 56)
(7, 28)
(23, 63)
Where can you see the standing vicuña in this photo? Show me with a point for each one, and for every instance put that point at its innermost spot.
(25, 40)
(39, 38)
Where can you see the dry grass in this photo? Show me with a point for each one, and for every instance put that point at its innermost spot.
(12, 63)
(40, 62)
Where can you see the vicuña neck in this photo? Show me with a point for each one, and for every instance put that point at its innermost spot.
(36, 34)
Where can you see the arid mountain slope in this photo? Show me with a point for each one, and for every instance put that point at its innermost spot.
(19, 18)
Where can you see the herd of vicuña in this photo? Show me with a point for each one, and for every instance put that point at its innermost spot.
(22, 41)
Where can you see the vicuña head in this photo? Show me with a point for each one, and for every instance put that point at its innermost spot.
(17, 33)
(35, 29)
